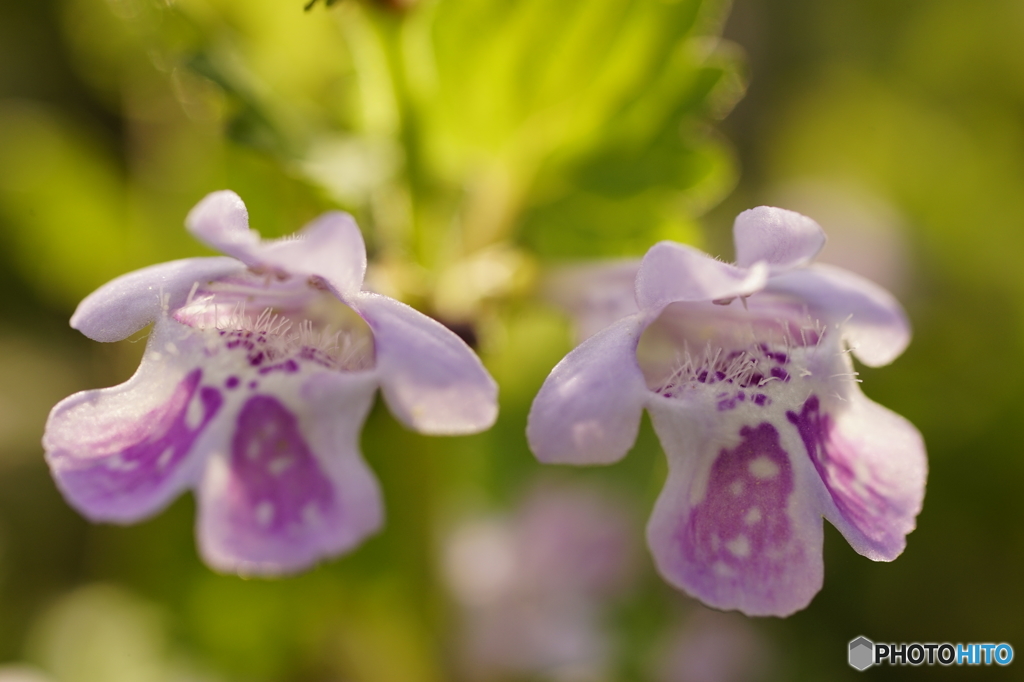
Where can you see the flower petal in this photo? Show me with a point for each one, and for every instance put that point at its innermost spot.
(784, 239)
(432, 381)
(588, 410)
(221, 221)
(873, 464)
(330, 247)
(737, 524)
(123, 453)
(290, 486)
(125, 305)
(673, 272)
(873, 321)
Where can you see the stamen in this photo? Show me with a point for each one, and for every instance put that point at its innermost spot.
(755, 357)
(272, 336)
(191, 293)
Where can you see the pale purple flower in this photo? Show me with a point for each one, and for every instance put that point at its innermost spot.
(256, 380)
(595, 295)
(746, 374)
(713, 646)
(534, 586)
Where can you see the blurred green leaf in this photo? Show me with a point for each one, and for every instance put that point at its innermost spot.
(61, 203)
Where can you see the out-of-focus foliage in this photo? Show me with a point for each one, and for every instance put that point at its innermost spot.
(480, 143)
(473, 138)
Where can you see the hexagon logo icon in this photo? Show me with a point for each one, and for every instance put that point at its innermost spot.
(862, 653)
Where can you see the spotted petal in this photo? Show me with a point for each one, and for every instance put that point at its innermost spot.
(673, 272)
(123, 453)
(125, 305)
(432, 381)
(737, 524)
(783, 239)
(289, 487)
(330, 247)
(588, 410)
(873, 464)
(874, 323)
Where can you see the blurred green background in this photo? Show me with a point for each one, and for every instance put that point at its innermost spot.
(481, 144)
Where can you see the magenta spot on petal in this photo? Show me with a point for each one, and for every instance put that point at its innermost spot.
(253, 385)
(861, 504)
(739, 536)
(232, 382)
(780, 373)
(208, 395)
(160, 440)
(277, 487)
(254, 344)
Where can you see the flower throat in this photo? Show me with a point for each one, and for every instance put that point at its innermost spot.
(748, 362)
(297, 322)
